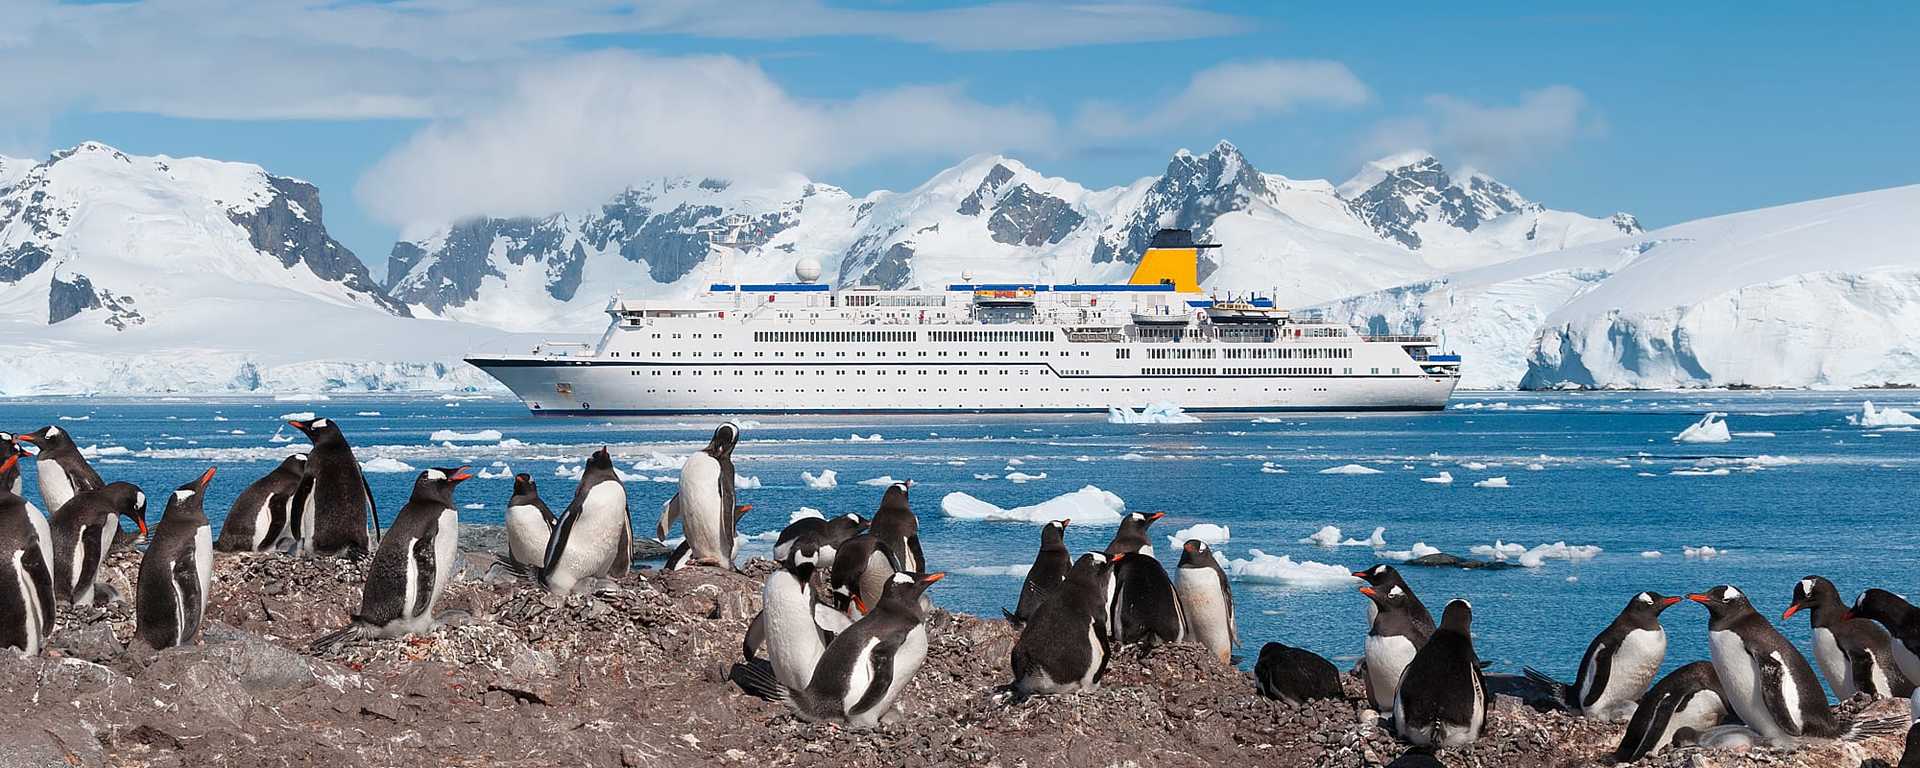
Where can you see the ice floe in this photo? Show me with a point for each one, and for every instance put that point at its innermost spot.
(499, 474)
(1652, 554)
(1702, 552)
(1206, 532)
(1350, 469)
(382, 464)
(1493, 482)
(1418, 550)
(882, 481)
(479, 436)
(1157, 413)
(826, 480)
(1870, 416)
(745, 481)
(1021, 477)
(1534, 557)
(1087, 505)
(1711, 428)
(1261, 568)
(985, 476)
(1700, 472)
(1330, 536)
(873, 438)
(1270, 468)
(297, 416)
(97, 451)
(76, 418)
(1443, 478)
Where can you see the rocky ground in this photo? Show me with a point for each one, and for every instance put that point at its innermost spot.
(640, 678)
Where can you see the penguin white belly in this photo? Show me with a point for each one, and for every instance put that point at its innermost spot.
(262, 525)
(307, 511)
(701, 518)
(594, 539)
(1909, 663)
(793, 639)
(527, 535)
(203, 569)
(1387, 657)
(1206, 609)
(1703, 710)
(1095, 656)
(1833, 663)
(29, 594)
(446, 545)
(55, 487)
(1740, 679)
(1634, 666)
(906, 662)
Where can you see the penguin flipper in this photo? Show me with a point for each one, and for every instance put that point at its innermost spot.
(756, 635)
(669, 512)
(40, 572)
(90, 554)
(622, 559)
(423, 561)
(919, 557)
(1559, 694)
(1013, 619)
(1773, 682)
(757, 679)
(1649, 721)
(331, 640)
(881, 659)
(371, 504)
(186, 578)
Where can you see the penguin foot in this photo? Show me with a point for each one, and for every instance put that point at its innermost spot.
(332, 640)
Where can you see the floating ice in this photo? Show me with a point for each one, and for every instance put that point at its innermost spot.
(1021, 477)
(985, 476)
(1131, 456)
(1444, 478)
(1536, 467)
(883, 480)
(1711, 428)
(1493, 482)
(451, 436)
(1011, 571)
(655, 461)
(297, 416)
(1652, 554)
(473, 505)
(1536, 556)
(1748, 462)
(1157, 413)
(97, 451)
(1419, 550)
(745, 481)
(1870, 416)
(1014, 462)
(1087, 505)
(1754, 434)
(502, 473)
(1329, 536)
(510, 443)
(299, 398)
(1270, 468)
(1262, 568)
(1702, 552)
(366, 413)
(76, 418)
(1206, 532)
(1475, 466)
(382, 464)
(1697, 472)
(826, 480)
(873, 438)
(1350, 469)
(804, 513)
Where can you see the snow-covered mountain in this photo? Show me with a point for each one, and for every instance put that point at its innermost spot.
(129, 273)
(1403, 219)
(1820, 293)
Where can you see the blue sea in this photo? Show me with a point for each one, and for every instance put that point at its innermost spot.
(1797, 491)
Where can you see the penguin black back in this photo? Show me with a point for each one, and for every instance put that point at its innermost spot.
(262, 513)
(1146, 609)
(1049, 569)
(83, 531)
(26, 594)
(1442, 700)
(895, 524)
(1688, 697)
(171, 596)
(824, 535)
(1770, 662)
(1064, 645)
(883, 648)
(340, 499)
(1295, 674)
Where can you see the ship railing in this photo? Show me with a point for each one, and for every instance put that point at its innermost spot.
(1400, 339)
(563, 349)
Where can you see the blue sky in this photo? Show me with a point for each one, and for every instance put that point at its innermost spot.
(409, 112)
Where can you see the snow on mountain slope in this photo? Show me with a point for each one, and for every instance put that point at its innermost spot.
(12, 169)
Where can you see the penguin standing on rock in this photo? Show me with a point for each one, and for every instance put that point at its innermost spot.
(261, 519)
(1393, 638)
(26, 586)
(333, 522)
(895, 526)
(1064, 647)
(682, 555)
(176, 570)
(866, 667)
(10, 477)
(529, 523)
(1146, 610)
(705, 502)
(794, 626)
(413, 566)
(1383, 578)
(1619, 664)
(1765, 679)
(60, 467)
(1687, 698)
(1296, 675)
(1442, 700)
(83, 532)
(593, 541)
(1854, 655)
(825, 536)
(1900, 619)
(1207, 600)
(1049, 569)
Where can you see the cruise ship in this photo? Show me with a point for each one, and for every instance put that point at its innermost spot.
(804, 347)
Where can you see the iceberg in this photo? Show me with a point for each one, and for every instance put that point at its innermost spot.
(1212, 534)
(1350, 469)
(451, 436)
(742, 482)
(1329, 536)
(1492, 482)
(1711, 428)
(1262, 568)
(826, 480)
(1087, 505)
(881, 481)
(297, 416)
(383, 465)
(1010, 571)
(1444, 478)
(1702, 552)
(1870, 416)
(873, 438)
(1537, 556)
(1420, 549)
(1021, 477)
(1157, 413)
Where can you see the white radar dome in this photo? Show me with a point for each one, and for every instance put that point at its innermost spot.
(808, 270)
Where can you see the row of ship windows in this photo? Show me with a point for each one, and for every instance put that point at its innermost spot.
(903, 390)
(1237, 354)
(922, 353)
(840, 337)
(781, 371)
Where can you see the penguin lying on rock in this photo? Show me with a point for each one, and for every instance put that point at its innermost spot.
(824, 535)
(1689, 698)
(1295, 675)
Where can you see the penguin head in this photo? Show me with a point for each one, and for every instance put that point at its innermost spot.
(129, 501)
(1723, 603)
(1646, 607)
(1814, 594)
(1457, 616)
(1053, 535)
(47, 438)
(1391, 598)
(1196, 554)
(801, 561)
(896, 496)
(1380, 576)
(188, 501)
(523, 485)
(844, 527)
(1095, 564)
(904, 588)
(296, 462)
(601, 460)
(725, 437)
(1876, 604)
(437, 483)
(317, 430)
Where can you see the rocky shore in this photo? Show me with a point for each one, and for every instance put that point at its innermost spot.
(640, 678)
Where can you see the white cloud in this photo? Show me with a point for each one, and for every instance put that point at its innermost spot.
(1496, 137)
(571, 133)
(1232, 93)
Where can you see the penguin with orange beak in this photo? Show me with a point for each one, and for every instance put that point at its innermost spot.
(10, 477)
(1619, 664)
(1049, 569)
(83, 532)
(415, 562)
(1854, 655)
(1146, 609)
(60, 467)
(177, 570)
(333, 516)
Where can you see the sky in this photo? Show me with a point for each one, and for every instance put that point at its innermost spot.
(412, 113)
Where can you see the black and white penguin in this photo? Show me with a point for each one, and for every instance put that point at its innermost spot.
(1050, 567)
(795, 626)
(860, 573)
(262, 518)
(824, 535)
(1295, 675)
(895, 525)
(865, 668)
(682, 555)
(1855, 656)
(593, 540)
(529, 523)
(413, 565)
(1393, 639)
(177, 570)
(1207, 600)
(1763, 677)
(61, 469)
(1687, 698)
(26, 594)
(83, 532)
(1065, 646)
(1900, 619)
(1384, 578)
(1146, 609)
(705, 500)
(334, 519)
(1619, 664)
(10, 477)
(1441, 701)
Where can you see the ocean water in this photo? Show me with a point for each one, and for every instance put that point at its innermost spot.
(1818, 496)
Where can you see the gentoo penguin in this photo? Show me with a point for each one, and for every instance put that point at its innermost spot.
(861, 572)
(83, 532)
(1619, 664)
(26, 591)
(866, 667)
(10, 478)
(1385, 577)
(794, 626)
(1688, 697)
(895, 525)
(334, 519)
(1064, 646)
(825, 535)
(61, 469)
(176, 570)
(1855, 656)
(705, 498)
(1393, 638)
(1442, 701)
(1899, 618)
(413, 565)
(1050, 567)
(1764, 678)
(1146, 609)
(1295, 674)
(1207, 601)
(593, 540)
(262, 517)
(682, 555)
(529, 523)
(1132, 536)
